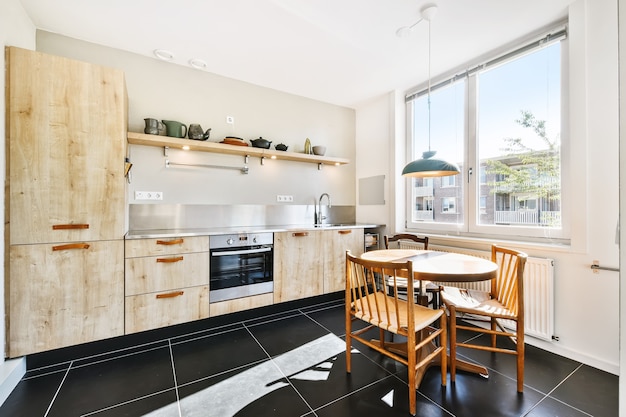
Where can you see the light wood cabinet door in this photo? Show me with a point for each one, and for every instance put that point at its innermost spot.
(64, 294)
(298, 265)
(162, 273)
(66, 138)
(154, 310)
(336, 243)
(166, 246)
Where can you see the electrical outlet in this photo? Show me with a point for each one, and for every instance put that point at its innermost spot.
(284, 198)
(148, 195)
(230, 120)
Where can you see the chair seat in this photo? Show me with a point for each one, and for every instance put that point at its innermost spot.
(424, 316)
(475, 302)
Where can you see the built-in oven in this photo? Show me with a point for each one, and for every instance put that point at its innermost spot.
(241, 265)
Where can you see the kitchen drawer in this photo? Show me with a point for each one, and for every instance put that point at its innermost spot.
(166, 246)
(161, 273)
(160, 309)
(243, 303)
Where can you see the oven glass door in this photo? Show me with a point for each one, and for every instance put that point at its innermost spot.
(235, 267)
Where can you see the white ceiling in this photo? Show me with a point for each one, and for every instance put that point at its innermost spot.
(338, 51)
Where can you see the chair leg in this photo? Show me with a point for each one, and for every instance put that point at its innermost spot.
(520, 357)
(452, 343)
(348, 339)
(443, 342)
(412, 360)
(494, 327)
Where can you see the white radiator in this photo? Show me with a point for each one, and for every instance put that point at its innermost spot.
(538, 291)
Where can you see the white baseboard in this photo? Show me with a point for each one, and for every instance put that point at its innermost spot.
(11, 372)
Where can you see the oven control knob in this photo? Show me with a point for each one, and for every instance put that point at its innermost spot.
(230, 241)
(254, 239)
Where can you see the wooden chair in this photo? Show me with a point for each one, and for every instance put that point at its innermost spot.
(408, 241)
(505, 301)
(388, 313)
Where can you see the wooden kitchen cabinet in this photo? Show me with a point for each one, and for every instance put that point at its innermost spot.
(64, 295)
(65, 201)
(298, 265)
(66, 138)
(167, 282)
(336, 242)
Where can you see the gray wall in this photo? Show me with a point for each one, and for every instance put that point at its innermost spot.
(167, 91)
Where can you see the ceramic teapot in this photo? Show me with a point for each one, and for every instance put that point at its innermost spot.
(195, 132)
(261, 143)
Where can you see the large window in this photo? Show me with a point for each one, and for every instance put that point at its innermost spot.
(501, 123)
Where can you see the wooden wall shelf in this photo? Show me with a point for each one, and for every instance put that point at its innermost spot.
(205, 146)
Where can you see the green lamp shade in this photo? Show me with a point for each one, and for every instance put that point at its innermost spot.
(428, 167)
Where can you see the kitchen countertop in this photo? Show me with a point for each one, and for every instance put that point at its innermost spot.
(165, 233)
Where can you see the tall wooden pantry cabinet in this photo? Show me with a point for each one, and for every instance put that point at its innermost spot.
(65, 202)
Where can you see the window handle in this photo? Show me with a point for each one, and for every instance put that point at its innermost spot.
(470, 171)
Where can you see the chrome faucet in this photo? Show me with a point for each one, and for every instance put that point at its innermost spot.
(319, 219)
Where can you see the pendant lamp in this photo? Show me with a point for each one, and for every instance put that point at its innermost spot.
(427, 166)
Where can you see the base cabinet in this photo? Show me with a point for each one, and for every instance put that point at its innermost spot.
(336, 243)
(64, 295)
(310, 263)
(166, 282)
(175, 306)
(298, 265)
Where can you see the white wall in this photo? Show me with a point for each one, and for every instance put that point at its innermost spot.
(16, 29)
(586, 304)
(166, 91)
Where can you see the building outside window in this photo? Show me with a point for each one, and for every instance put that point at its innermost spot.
(501, 123)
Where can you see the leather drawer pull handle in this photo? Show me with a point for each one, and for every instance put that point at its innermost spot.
(170, 260)
(170, 242)
(69, 226)
(345, 232)
(301, 234)
(71, 246)
(170, 294)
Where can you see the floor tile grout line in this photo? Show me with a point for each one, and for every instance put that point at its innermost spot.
(54, 397)
(343, 397)
(548, 395)
(111, 407)
(204, 378)
(193, 339)
(118, 357)
(280, 370)
(174, 376)
(110, 352)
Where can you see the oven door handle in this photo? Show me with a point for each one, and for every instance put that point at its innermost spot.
(241, 252)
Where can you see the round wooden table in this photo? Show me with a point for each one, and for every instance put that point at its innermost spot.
(445, 267)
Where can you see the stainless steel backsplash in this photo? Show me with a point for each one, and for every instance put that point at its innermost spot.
(202, 216)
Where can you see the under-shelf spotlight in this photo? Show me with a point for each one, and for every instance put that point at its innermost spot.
(273, 157)
(163, 54)
(185, 147)
(198, 63)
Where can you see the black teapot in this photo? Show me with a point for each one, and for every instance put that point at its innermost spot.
(261, 143)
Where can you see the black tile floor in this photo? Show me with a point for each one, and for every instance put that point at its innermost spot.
(269, 362)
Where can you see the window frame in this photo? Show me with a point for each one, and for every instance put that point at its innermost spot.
(470, 177)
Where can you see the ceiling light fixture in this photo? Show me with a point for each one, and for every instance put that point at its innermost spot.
(198, 63)
(427, 166)
(163, 54)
